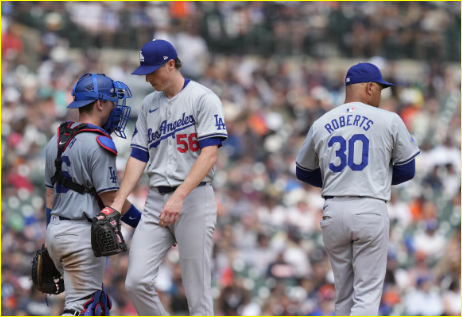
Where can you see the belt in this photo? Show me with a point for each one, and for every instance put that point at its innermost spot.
(65, 218)
(332, 197)
(72, 312)
(167, 189)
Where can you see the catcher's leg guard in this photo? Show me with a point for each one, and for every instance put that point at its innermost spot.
(98, 305)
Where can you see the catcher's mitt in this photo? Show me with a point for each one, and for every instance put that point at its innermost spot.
(45, 276)
(106, 237)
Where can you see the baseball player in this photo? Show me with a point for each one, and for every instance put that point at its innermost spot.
(355, 152)
(80, 179)
(178, 132)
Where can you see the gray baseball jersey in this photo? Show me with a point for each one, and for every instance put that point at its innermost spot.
(173, 131)
(88, 164)
(355, 146)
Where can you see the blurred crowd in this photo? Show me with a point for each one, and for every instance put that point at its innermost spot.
(417, 30)
(268, 256)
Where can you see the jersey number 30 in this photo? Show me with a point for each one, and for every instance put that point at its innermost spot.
(349, 158)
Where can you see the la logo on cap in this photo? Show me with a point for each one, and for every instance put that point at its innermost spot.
(141, 56)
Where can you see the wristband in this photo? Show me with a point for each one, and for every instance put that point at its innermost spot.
(132, 217)
(48, 215)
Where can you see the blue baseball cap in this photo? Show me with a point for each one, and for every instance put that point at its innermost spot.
(365, 73)
(153, 55)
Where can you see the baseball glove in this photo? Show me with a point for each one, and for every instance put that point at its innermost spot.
(106, 237)
(45, 276)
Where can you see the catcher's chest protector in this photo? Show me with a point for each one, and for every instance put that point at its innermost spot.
(65, 136)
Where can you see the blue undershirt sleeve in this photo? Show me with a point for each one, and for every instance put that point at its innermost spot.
(403, 173)
(314, 178)
(48, 215)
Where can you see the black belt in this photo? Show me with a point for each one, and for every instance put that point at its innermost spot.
(64, 218)
(167, 189)
(332, 197)
(71, 311)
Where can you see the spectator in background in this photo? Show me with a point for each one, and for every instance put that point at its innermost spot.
(193, 50)
(11, 43)
(451, 299)
(431, 242)
(233, 298)
(425, 300)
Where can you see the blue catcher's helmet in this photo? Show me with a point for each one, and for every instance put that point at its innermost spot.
(91, 87)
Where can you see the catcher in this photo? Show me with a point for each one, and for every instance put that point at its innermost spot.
(80, 179)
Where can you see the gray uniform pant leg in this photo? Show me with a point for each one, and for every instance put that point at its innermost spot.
(69, 246)
(355, 234)
(193, 232)
(149, 246)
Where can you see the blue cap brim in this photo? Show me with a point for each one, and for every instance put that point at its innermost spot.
(385, 84)
(144, 70)
(80, 103)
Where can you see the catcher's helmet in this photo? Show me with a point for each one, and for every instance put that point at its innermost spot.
(91, 87)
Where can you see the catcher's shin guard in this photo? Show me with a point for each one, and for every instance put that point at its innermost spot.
(99, 304)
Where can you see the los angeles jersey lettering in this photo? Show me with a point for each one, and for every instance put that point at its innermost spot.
(171, 130)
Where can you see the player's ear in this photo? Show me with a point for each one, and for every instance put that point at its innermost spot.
(99, 105)
(369, 89)
(171, 65)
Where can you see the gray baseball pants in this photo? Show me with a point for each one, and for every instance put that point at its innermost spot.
(69, 246)
(193, 233)
(355, 233)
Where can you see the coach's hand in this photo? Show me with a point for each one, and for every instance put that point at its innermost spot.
(171, 211)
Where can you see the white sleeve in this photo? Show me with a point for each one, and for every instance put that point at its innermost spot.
(211, 119)
(307, 159)
(404, 145)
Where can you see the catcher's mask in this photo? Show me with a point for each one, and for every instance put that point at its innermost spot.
(91, 87)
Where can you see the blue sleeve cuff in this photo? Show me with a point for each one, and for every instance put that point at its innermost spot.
(132, 217)
(313, 178)
(140, 155)
(47, 215)
(209, 142)
(403, 173)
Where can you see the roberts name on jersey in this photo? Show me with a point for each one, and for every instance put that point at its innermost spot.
(349, 120)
